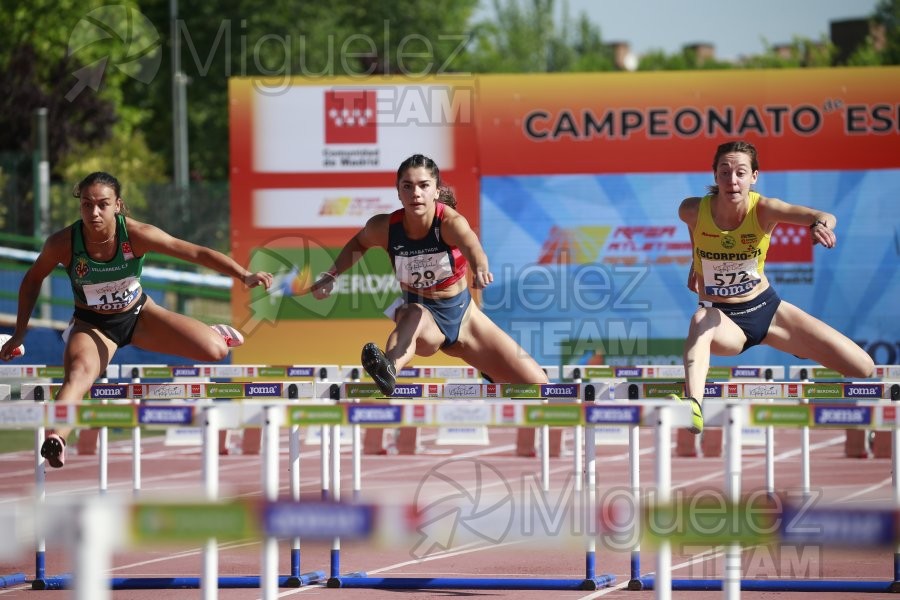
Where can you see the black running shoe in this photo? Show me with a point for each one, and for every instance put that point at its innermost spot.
(379, 368)
(54, 450)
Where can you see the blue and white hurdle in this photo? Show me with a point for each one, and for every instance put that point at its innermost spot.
(430, 405)
(781, 406)
(24, 373)
(171, 405)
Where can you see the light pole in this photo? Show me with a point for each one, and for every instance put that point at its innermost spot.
(179, 112)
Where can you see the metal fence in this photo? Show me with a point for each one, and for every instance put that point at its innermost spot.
(202, 216)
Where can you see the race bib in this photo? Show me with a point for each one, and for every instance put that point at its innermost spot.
(725, 278)
(112, 295)
(423, 270)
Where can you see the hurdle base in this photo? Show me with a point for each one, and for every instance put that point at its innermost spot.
(494, 583)
(778, 585)
(59, 582)
(635, 585)
(335, 582)
(894, 587)
(64, 582)
(12, 579)
(305, 579)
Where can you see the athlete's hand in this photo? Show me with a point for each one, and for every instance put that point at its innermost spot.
(693, 283)
(260, 278)
(323, 286)
(482, 279)
(11, 347)
(822, 234)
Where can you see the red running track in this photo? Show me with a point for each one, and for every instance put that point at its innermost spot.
(177, 470)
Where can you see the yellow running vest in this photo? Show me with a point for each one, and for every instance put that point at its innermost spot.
(730, 262)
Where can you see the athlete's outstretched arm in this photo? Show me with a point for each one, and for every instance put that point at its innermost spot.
(373, 235)
(148, 238)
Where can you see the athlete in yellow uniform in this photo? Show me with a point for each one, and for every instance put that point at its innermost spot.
(730, 230)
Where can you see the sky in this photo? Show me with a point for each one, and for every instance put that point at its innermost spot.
(734, 27)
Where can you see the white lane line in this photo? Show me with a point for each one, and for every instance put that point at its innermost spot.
(866, 490)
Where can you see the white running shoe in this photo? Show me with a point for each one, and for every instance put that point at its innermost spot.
(232, 336)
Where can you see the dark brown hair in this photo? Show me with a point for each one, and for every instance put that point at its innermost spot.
(446, 196)
(102, 178)
(419, 160)
(730, 148)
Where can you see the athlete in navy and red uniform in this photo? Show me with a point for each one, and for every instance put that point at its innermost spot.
(431, 246)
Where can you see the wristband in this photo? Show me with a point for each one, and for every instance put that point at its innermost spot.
(332, 273)
(817, 222)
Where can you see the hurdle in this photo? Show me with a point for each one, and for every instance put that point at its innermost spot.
(235, 373)
(406, 441)
(231, 373)
(32, 373)
(664, 415)
(485, 405)
(785, 409)
(133, 407)
(858, 443)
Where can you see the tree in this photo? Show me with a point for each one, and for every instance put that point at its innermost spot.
(801, 52)
(887, 14)
(44, 64)
(526, 38)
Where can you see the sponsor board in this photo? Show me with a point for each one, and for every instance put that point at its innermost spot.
(164, 391)
(272, 372)
(106, 415)
(463, 414)
(863, 390)
(225, 390)
(362, 390)
(165, 414)
(605, 372)
(408, 390)
(315, 415)
(712, 390)
(842, 416)
(104, 391)
(173, 523)
(520, 390)
(553, 414)
(296, 371)
(374, 414)
(318, 520)
(779, 414)
(719, 373)
(560, 390)
(629, 372)
(612, 414)
(661, 390)
(864, 528)
(463, 390)
(746, 372)
(157, 372)
(262, 390)
(763, 391)
(22, 414)
(185, 372)
(823, 390)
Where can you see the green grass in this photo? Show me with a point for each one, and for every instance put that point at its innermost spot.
(17, 440)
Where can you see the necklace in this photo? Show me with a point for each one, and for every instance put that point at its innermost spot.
(112, 237)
